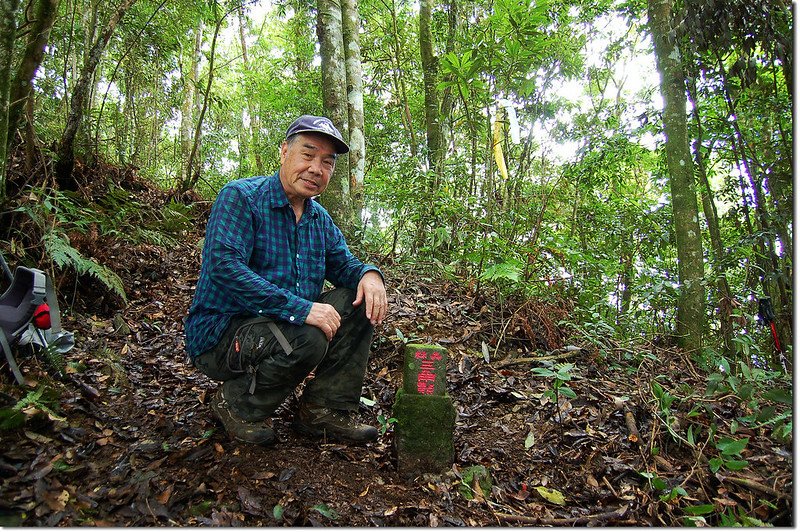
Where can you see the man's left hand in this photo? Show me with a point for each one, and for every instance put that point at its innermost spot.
(372, 292)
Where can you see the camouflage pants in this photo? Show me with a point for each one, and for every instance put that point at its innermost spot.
(258, 375)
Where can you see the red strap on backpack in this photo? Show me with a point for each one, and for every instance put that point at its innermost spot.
(41, 316)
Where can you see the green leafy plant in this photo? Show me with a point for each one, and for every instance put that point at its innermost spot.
(11, 418)
(767, 394)
(561, 373)
(42, 400)
(729, 518)
(667, 493)
(473, 478)
(665, 400)
(326, 510)
(385, 423)
(730, 450)
(54, 358)
(277, 512)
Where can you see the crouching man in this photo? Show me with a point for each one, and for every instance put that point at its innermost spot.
(259, 322)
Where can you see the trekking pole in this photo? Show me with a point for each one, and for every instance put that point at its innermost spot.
(767, 316)
(6, 269)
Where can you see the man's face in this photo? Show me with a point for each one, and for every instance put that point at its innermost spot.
(307, 162)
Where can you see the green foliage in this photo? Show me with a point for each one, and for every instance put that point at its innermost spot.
(473, 478)
(385, 423)
(560, 373)
(117, 214)
(64, 255)
(664, 400)
(326, 510)
(54, 358)
(730, 450)
(767, 394)
(738, 518)
(41, 400)
(510, 271)
(11, 418)
(666, 492)
(277, 512)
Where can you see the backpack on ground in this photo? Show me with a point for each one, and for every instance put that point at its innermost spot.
(29, 314)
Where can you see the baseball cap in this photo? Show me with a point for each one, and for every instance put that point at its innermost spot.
(318, 124)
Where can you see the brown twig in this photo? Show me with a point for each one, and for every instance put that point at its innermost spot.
(510, 362)
(752, 484)
(528, 520)
(633, 432)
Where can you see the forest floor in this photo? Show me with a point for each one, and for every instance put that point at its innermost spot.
(127, 438)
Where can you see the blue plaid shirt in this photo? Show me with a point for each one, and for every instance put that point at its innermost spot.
(258, 261)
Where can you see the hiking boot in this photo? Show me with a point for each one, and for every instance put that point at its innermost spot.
(245, 431)
(322, 422)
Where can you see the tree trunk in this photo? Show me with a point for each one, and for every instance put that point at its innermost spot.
(189, 91)
(724, 297)
(334, 98)
(21, 88)
(400, 84)
(355, 103)
(430, 70)
(691, 302)
(8, 32)
(65, 154)
(255, 121)
(128, 130)
(192, 168)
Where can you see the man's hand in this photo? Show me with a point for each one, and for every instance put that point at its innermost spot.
(372, 292)
(324, 317)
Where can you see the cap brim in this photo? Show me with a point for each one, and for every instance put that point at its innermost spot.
(341, 147)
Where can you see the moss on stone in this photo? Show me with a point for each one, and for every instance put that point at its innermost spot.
(423, 433)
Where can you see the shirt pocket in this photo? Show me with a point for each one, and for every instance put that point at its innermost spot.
(313, 263)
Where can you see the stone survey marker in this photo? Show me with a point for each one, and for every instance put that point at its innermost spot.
(425, 414)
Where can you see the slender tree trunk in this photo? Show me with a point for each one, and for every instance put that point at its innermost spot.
(192, 168)
(189, 90)
(446, 108)
(90, 23)
(127, 129)
(65, 154)
(29, 63)
(255, 119)
(8, 32)
(691, 302)
(724, 296)
(400, 84)
(355, 103)
(430, 72)
(334, 99)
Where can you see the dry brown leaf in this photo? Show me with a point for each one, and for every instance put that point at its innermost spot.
(164, 496)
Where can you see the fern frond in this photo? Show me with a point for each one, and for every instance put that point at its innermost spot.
(775, 419)
(157, 238)
(54, 358)
(66, 256)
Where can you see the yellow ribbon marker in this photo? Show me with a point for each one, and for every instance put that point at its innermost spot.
(498, 148)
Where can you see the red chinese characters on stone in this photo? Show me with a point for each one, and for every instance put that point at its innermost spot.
(427, 372)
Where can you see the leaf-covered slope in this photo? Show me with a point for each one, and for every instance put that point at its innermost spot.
(127, 438)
